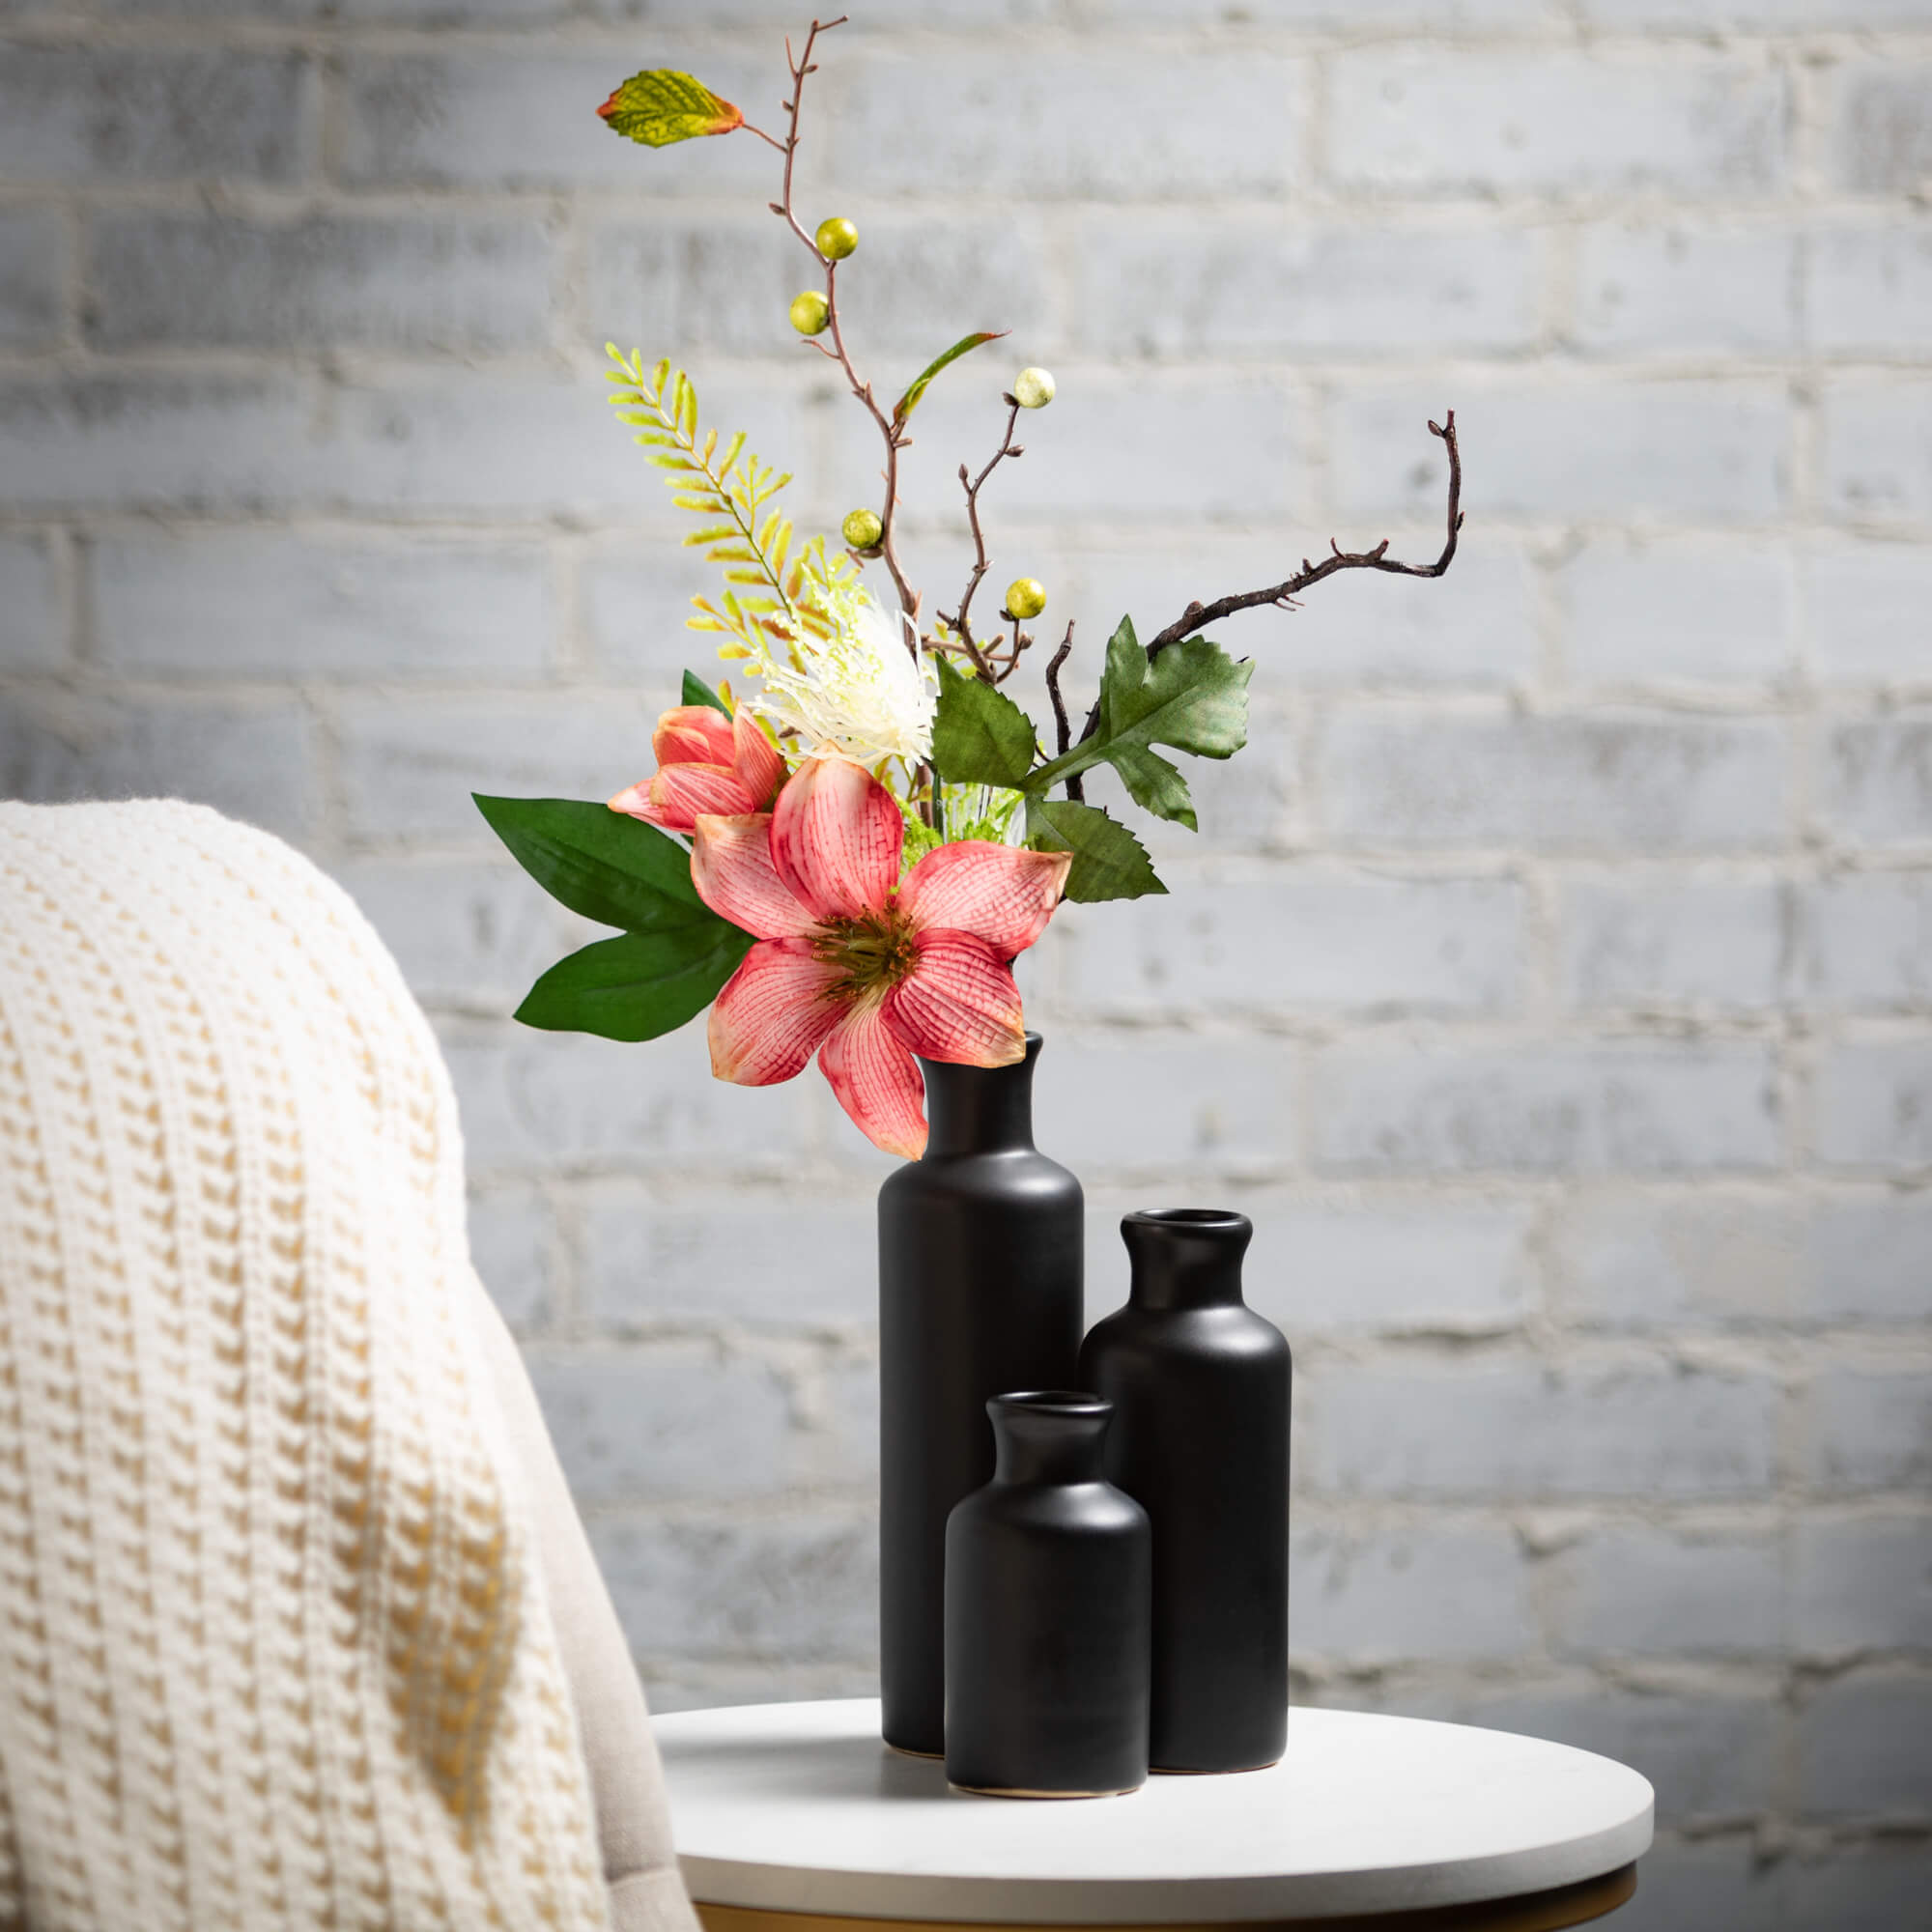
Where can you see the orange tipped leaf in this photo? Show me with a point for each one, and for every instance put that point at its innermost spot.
(661, 106)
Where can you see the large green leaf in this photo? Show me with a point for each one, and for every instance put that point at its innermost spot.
(697, 692)
(637, 985)
(603, 864)
(662, 105)
(1192, 696)
(979, 736)
(1109, 863)
(920, 382)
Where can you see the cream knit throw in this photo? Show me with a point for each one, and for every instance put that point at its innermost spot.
(274, 1649)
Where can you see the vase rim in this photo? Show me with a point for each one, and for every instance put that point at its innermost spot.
(1209, 1220)
(1052, 1401)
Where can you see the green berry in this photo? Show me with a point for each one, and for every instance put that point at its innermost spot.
(1033, 389)
(809, 313)
(1026, 597)
(836, 238)
(863, 530)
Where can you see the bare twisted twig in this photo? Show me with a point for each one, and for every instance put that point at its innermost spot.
(959, 623)
(1198, 616)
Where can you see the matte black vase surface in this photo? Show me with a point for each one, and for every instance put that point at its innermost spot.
(980, 1293)
(1048, 1572)
(1199, 1385)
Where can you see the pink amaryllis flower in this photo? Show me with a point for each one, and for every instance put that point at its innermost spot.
(855, 966)
(706, 762)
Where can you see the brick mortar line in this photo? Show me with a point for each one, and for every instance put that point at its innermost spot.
(1306, 211)
(1659, 44)
(350, 368)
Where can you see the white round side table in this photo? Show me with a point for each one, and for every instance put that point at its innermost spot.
(796, 1818)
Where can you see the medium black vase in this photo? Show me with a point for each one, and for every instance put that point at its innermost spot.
(1199, 1385)
(1047, 1626)
(980, 1292)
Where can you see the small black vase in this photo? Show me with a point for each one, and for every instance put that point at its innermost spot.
(980, 1292)
(1047, 1613)
(1199, 1385)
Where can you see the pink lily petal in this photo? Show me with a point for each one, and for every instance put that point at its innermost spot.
(633, 799)
(1005, 895)
(876, 1080)
(680, 794)
(732, 866)
(772, 1015)
(693, 734)
(958, 1003)
(837, 837)
(756, 761)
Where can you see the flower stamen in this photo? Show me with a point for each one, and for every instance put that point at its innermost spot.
(874, 951)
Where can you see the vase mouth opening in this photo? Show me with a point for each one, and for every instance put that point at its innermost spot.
(1051, 1402)
(1199, 1220)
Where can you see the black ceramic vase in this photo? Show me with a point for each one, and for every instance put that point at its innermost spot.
(1199, 1385)
(1048, 1570)
(980, 1292)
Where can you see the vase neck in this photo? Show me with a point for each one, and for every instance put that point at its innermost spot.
(1186, 1256)
(1049, 1436)
(980, 1109)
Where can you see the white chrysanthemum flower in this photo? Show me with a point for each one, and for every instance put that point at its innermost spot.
(864, 692)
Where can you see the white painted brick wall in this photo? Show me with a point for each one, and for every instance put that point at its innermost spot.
(1552, 977)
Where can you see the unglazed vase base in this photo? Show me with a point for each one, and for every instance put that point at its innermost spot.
(1232, 1771)
(1020, 1791)
(906, 1751)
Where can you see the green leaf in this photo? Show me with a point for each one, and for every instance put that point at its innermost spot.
(1193, 696)
(637, 985)
(1109, 863)
(603, 864)
(697, 692)
(909, 402)
(979, 736)
(1154, 784)
(661, 106)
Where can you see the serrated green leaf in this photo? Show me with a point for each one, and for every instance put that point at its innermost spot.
(697, 692)
(1109, 863)
(1153, 785)
(1193, 697)
(920, 382)
(600, 862)
(637, 985)
(662, 105)
(979, 736)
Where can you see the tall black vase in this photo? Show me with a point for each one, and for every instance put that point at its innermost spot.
(1047, 1573)
(980, 1293)
(1199, 1385)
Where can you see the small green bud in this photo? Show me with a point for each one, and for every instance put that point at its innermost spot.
(809, 313)
(863, 530)
(836, 238)
(1033, 389)
(1026, 597)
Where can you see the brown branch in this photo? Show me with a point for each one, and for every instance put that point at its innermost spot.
(890, 427)
(1198, 616)
(1002, 662)
(981, 562)
(1061, 729)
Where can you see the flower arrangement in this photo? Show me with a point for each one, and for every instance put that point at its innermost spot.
(845, 855)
